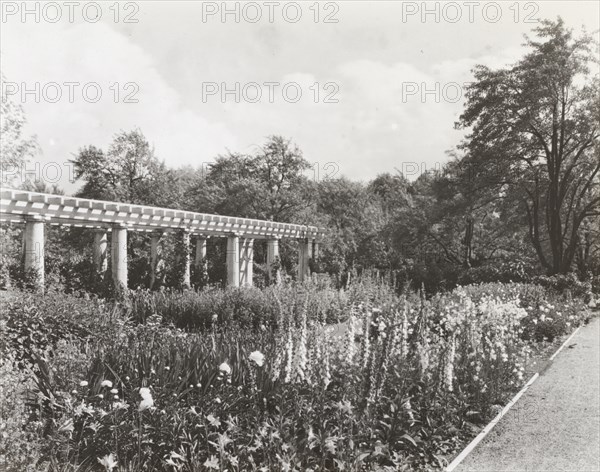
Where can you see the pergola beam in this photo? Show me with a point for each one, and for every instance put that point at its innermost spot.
(36, 209)
(95, 213)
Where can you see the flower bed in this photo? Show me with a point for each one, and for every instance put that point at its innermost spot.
(401, 387)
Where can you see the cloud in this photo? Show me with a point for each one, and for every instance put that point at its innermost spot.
(96, 53)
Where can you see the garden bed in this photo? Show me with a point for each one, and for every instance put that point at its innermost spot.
(295, 378)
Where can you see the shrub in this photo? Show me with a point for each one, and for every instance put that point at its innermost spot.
(36, 322)
(21, 436)
(563, 283)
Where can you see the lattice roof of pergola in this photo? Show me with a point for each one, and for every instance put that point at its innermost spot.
(18, 205)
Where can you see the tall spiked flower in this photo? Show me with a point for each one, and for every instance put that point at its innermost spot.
(449, 365)
(319, 351)
(326, 370)
(423, 353)
(289, 351)
(366, 341)
(386, 349)
(278, 361)
(302, 349)
(350, 340)
(404, 338)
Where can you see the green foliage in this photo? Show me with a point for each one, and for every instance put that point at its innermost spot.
(21, 435)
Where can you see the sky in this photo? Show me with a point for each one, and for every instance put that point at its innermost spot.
(361, 87)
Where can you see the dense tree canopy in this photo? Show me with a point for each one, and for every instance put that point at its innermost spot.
(15, 149)
(535, 131)
(128, 172)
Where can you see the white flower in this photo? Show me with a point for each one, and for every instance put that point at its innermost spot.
(106, 383)
(114, 391)
(145, 404)
(108, 462)
(147, 400)
(120, 405)
(83, 383)
(257, 357)
(224, 367)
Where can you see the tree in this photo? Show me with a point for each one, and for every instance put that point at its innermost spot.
(535, 130)
(15, 150)
(128, 172)
(268, 185)
(354, 220)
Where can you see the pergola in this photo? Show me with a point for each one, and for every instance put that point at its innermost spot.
(36, 209)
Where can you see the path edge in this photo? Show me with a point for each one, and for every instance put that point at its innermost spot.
(473, 444)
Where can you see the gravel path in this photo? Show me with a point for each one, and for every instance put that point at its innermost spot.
(555, 426)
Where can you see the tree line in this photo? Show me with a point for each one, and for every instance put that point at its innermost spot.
(519, 196)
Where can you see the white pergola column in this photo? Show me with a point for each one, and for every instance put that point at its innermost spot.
(315, 249)
(155, 257)
(33, 247)
(246, 262)
(273, 274)
(200, 255)
(118, 248)
(200, 262)
(185, 239)
(101, 251)
(304, 250)
(233, 260)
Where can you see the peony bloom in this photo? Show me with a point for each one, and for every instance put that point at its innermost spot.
(257, 357)
(114, 391)
(224, 367)
(147, 400)
(108, 462)
(106, 383)
(83, 383)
